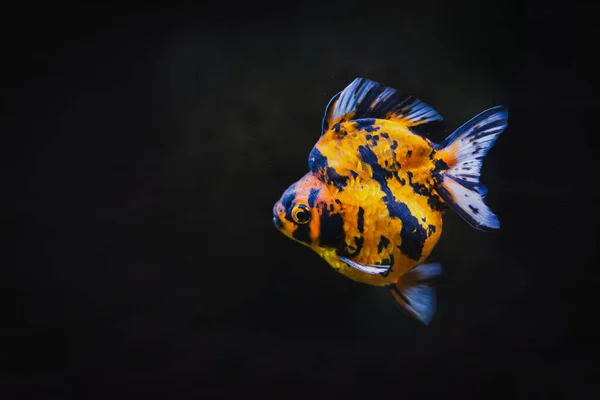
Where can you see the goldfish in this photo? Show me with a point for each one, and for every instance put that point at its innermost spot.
(372, 202)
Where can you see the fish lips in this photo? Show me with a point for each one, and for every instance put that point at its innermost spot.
(276, 221)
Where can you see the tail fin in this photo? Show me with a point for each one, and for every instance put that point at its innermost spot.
(463, 152)
(414, 295)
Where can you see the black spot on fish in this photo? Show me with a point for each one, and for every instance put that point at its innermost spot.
(477, 149)
(388, 261)
(383, 243)
(354, 174)
(412, 234)
(370, 158)
(302, 233)
(430, 229)
(286, 201)
(431, 154)
(359, 243)
(374, 139)
(360, 220)
(312, 196)
(439, 167)
(478, 187)
(424, 219)
(331, 229)
(436, 204)
(408, 153)
(385, 135)
(318, 163)
(394, 145)
(363, 123)
(418, 188)
(337, 201)
(331, 208)
(366, 124)
(356, 250)
(474, 209)
(339, 132)
(288, 198)
(368, 137)
(338, 180)
(401, 180)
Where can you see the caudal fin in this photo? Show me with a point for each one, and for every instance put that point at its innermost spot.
(413, 293)
(463, 152)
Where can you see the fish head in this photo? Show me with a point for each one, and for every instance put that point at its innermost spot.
(308, 213)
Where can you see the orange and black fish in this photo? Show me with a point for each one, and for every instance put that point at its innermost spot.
(372, 203)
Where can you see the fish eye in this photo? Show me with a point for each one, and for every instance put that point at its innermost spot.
(301, 214)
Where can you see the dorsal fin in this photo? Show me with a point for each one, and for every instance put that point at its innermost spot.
(364, 98)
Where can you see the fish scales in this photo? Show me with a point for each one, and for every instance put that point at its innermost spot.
(373, 201)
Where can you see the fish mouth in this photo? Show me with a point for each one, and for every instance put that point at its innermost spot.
(277, 222)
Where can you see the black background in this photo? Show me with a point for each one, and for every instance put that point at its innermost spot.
(144, 149)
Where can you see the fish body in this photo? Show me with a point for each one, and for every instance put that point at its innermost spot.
(373, 201)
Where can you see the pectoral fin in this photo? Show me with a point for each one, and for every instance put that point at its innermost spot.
(366, 268)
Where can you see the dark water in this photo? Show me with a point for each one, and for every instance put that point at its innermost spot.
(145, 149)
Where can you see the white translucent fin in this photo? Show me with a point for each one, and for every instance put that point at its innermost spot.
(464, 151)
(352, 96)
(414, 295)
(366, 268)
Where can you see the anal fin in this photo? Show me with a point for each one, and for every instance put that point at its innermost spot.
(413, 293)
